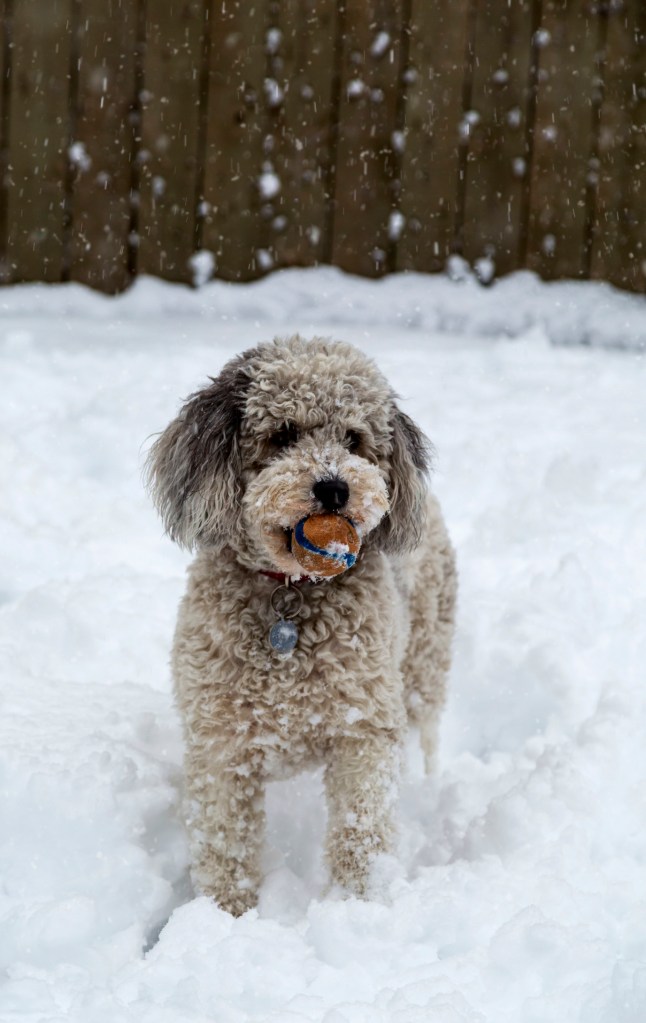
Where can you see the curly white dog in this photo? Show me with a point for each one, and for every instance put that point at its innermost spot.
(289, 429)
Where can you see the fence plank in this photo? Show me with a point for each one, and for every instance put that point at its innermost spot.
(102, 147)
(568, 89)
(5, 39)
(619, 252)
(301, 60)
(496, 134)
(170, 130)
(364, 191)
(236, 168)
(38, 130)
(431, 158)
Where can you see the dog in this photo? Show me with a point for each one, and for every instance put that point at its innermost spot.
(288, 429)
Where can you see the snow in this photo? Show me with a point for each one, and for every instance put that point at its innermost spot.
(396, 224)
(274, 95)
(273, 39)
(78, 155)
(356, 87)
(269, 185)
(380, 44)
(484, 269)
(518, 890)
(202, 265)
(398, 141)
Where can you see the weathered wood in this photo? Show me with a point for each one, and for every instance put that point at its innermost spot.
(101, 149)
(38, 135)
(373, 134)
(434, 117)
(564, 142)
(365, 180)
(301, 60)
(619, 243)
(170, 131)
(5, 57)
(237, 163)
(496, 134)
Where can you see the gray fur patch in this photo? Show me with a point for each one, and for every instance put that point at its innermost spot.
(193, 470)
(410, 463)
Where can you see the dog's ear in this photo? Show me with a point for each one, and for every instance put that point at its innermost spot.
(409, 464)
(193, 470)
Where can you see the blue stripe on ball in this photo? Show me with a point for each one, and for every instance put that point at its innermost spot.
(302, 541)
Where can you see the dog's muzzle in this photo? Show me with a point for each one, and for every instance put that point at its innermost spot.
(333, 494)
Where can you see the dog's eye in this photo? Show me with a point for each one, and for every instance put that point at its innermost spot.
(288, 434)
(352, 440)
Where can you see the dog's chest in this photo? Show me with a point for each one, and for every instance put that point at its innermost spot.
(325, 664)
(340, 678)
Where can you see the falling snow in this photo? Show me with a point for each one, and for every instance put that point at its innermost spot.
(269, 185)
(380, 44)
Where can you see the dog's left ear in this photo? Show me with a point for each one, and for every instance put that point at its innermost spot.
(410, 462)
(193, 469)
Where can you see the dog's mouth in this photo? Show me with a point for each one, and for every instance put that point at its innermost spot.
(273, 511)
(288, 533)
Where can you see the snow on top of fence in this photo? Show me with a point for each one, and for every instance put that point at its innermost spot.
(569, 312)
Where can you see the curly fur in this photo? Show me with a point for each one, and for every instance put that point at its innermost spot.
(374, 644)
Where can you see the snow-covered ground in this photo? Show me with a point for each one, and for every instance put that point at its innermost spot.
(520, 892)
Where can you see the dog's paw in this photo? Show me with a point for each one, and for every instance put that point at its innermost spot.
(234, 902)
(233, 894)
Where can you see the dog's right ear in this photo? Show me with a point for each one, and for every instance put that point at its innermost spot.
(193, 470)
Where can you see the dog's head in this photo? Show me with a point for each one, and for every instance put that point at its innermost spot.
(289, 429)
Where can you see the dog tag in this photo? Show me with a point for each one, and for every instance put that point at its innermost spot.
(283, 636)
(287, 604)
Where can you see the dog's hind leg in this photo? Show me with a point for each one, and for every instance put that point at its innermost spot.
(226, 815)
(432, 590)
(361, 780)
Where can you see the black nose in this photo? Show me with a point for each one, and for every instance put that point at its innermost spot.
(333, 494)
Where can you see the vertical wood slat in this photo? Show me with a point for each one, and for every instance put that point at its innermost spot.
(38, 129)
(496, 134)
(568, 89)
(236, 159)
(365, 158)
(301, 61)
(5, 39)
(619, 247)
(102, 148)
(431, 159)
(170, 131)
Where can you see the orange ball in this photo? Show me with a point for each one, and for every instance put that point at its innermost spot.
(325, 545)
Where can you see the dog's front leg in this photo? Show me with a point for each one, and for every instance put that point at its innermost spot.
(361, 780)
(226, 823)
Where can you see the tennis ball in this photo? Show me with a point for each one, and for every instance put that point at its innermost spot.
(325, 545)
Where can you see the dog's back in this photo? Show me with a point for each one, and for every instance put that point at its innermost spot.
(427, 580)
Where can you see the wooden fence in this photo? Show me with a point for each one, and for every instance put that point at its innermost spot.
(377, 135)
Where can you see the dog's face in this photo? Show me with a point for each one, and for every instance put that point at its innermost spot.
(288, 429)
